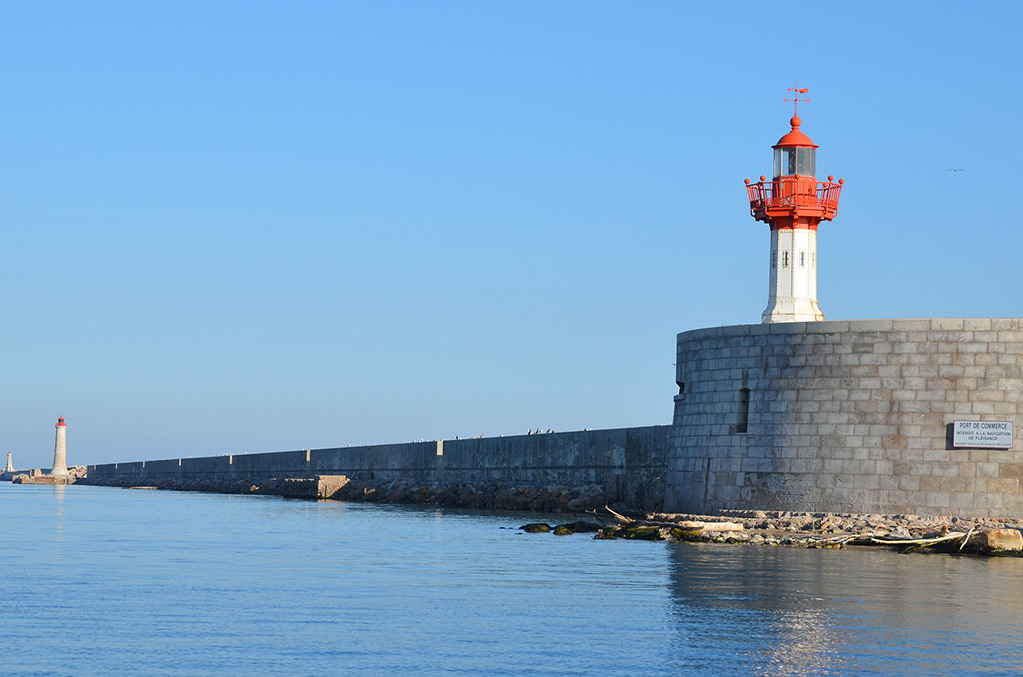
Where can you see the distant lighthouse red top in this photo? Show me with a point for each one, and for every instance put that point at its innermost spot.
(60, 423)
(794, 199)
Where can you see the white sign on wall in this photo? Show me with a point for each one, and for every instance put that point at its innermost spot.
(982, 434)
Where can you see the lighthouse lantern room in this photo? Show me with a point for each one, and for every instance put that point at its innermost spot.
(793, 204)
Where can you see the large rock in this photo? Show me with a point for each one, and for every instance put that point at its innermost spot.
(536, 528)
(999, 540)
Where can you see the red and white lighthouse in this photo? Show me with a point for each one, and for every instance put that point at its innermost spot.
(793, 204)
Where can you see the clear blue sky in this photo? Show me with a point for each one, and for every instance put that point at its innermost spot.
(256, 226)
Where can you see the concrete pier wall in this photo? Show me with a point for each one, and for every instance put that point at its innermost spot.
(629, 464)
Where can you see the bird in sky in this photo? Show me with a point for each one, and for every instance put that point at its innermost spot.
(955, 170)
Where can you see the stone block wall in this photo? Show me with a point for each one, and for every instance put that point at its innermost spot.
(847, 416)
(629, 464)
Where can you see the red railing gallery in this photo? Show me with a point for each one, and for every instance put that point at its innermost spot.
(793, 193)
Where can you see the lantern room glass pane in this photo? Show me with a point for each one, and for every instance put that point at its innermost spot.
(784, 162)
(807, 165)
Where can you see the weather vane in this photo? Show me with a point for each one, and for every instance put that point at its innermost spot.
(797, 99)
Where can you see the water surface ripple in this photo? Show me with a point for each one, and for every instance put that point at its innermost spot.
(107, 581)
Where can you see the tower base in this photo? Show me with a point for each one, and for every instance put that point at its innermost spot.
(780, 311)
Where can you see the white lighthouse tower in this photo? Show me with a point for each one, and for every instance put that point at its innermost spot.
(60, 450)
(793, 204)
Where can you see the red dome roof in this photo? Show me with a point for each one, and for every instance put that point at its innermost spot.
(795, 137)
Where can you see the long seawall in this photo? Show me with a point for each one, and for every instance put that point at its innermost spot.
(628, 464)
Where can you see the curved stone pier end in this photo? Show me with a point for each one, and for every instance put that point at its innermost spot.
(847, 416)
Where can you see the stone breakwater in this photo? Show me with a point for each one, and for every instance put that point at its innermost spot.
(491, 495)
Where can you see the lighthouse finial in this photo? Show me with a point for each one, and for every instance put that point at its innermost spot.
(804, 90)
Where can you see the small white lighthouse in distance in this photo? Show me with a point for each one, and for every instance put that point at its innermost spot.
(10, 463)
(793, 204)
(60, 450)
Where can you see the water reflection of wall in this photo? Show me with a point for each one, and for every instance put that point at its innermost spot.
(765, 610)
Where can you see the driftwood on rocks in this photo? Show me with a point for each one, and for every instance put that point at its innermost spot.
(966, 539)
(919, 541)
(918, 544)
(682, 524)
(905, 533)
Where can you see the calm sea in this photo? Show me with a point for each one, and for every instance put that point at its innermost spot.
(102, 581)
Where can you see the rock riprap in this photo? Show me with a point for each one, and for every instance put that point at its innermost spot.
(906, 533)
